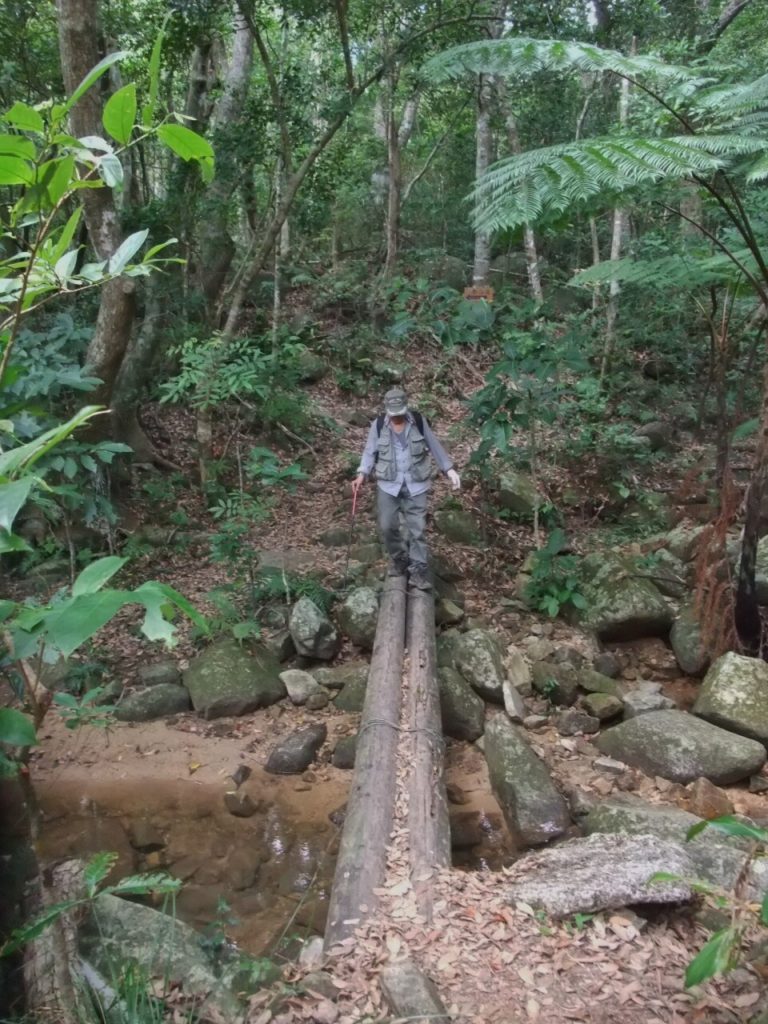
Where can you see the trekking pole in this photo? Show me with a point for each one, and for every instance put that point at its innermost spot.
(349, 542)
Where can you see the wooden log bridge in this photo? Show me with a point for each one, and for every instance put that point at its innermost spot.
(361, 864)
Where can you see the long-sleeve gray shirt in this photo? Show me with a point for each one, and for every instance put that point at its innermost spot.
(368, 460)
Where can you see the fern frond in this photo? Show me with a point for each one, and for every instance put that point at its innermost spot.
(759, 170)
(734, 99)
(667, 271)
(520, 55)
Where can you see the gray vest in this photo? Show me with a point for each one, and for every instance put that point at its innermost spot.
(413, 459)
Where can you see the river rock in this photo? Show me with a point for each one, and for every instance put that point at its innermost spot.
(607, 664)
(165, 671)
(573, 721)
(297, 752)
(300, 685)
(118, 933)
(669, 574)
(517, 493)
(734, 695)
(352, 695)
(603, 706)
(155, 702)
(683, 541)
(679, 747)
(358, 616)
(462, 711)
(445, 648)
(558, 683)
(532, 807)
(281, 645)
(623, 605)
(226, 679)
(596, 682)
(411, 995)
(338, 676)
(344, 752)
(518, 672)
(312, 631)
(459, 526)
(708, 801)
(686, 640)
(601, 872)
(513, 702)
(447, 613)
(479, 658)
(716, 859)
(640, 700)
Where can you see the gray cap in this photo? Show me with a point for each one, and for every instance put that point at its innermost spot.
(396, 402)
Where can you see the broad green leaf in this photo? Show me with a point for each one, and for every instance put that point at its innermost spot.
(128, 249)
(745, 429)
(764, 910)
(15, 171)
(71, 623)
(16, 729)
(111, 171)
(12, 497)
(21, 936)
(139, 885)
(7, 608)
(56, 176)
(155, 625)
(732, 827)
(97, 869)
(17, 145)
(24, 117)
(65, 700)
(93, 75)
(120, 113)
(714, 957)
(10, 543)
(153, 590)
(65, 266)
(94, 576)
(26, 455)
(96, 142)
(188, 145)
(148, 111)
(67, 234)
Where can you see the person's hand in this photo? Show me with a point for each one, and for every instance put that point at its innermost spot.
(455, 479)
(357, 483)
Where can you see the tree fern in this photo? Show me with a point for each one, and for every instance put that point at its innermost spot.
(674, 271)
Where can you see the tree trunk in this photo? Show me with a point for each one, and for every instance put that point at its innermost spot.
(483, 147)
(78, 45)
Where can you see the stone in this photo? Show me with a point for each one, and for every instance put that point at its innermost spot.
(734, 695)
(669, 574)
(603, 706)
(479, 658)
(358, 616)
(518, 672)
(558, 683)
(352, 695)
(366, 554)
(242, 869)
(687, 644)
(344, 752)
(517, 493)
(595, 682)
(462, 711)
(447, 613)
(459, 526)
(311, 954)
(761, 571)
(227, 679)
(716, 859)
(538, 648)
(312, 631)
(411, 995)
(145, 836)
(445, 648)
(758, 784)
(606, 664)
(513, 702)
(623, 605)
(534, 810)
(642, 700)
(338, 676)
(683, 541)
(601, 872)
(239, 804)
(317, 701)
(156, 702)
(321, 983)
(610, 765)
(535, 721)
(297, 751)
(448, 571)
(300, 685)
(120, 932)
(281, 645)
(574, 721)
(679, 747)
(166, 671)
(455, 794)
(708, 801)
(565, 655)
(335, 536)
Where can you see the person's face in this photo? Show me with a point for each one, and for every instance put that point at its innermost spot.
(398, 419)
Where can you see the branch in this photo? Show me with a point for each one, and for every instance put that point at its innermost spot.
(341, 16)
(729, 14)
(415, 180)
(274, 88)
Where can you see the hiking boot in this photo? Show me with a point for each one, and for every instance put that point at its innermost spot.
(420, 580)
(397, 568)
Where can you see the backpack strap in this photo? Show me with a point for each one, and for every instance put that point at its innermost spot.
(418, 419)
(379, 424)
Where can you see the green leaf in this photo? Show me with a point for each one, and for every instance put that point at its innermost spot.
(152, 593)
(127, 250)
(16, 729)
(24, 117)
(93, 76)
(189, 146)
(95, 575)
(21, 936)
(71, 623)
(141, 885)
(9, 543)
(17, 145)
(745, 429)
(67, 234)
(714, 957)
(148, 112)
(15, 171)
(764, 910)
(12, 497)
(111, 170)
(26, 455)
(65, 266)
(120, 113)
(732, 827)
(56, 177)
(97, 869)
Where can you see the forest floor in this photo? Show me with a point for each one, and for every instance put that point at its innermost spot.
(491, 962)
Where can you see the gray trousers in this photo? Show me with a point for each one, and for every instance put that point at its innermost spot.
(411, 548)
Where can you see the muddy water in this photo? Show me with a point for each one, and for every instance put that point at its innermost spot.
(265, 877)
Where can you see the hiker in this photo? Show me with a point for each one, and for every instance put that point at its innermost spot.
(398, 451)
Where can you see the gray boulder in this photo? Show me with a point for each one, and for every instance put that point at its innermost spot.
(623, 605)
(558, 683)
(479, 658)
(602, 706)
(351, 697)
(344, 752)
(716, 858)
(686, 640)
(296, 752)
(533, 809)
(513, 702)
(157, 672)
(445, 648)
(358, 616)
(459, 526)
(680, 747)
(761, 571)
(312, 631)
(300, 685)
(447, 613)
(155, 702)
(338, 676)
(516, 493)
(643, 699)
(601, 872)
(227, 679)
(573, 721)
(597, 682)
(463, 712)
(734, 695)
(669, 574)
